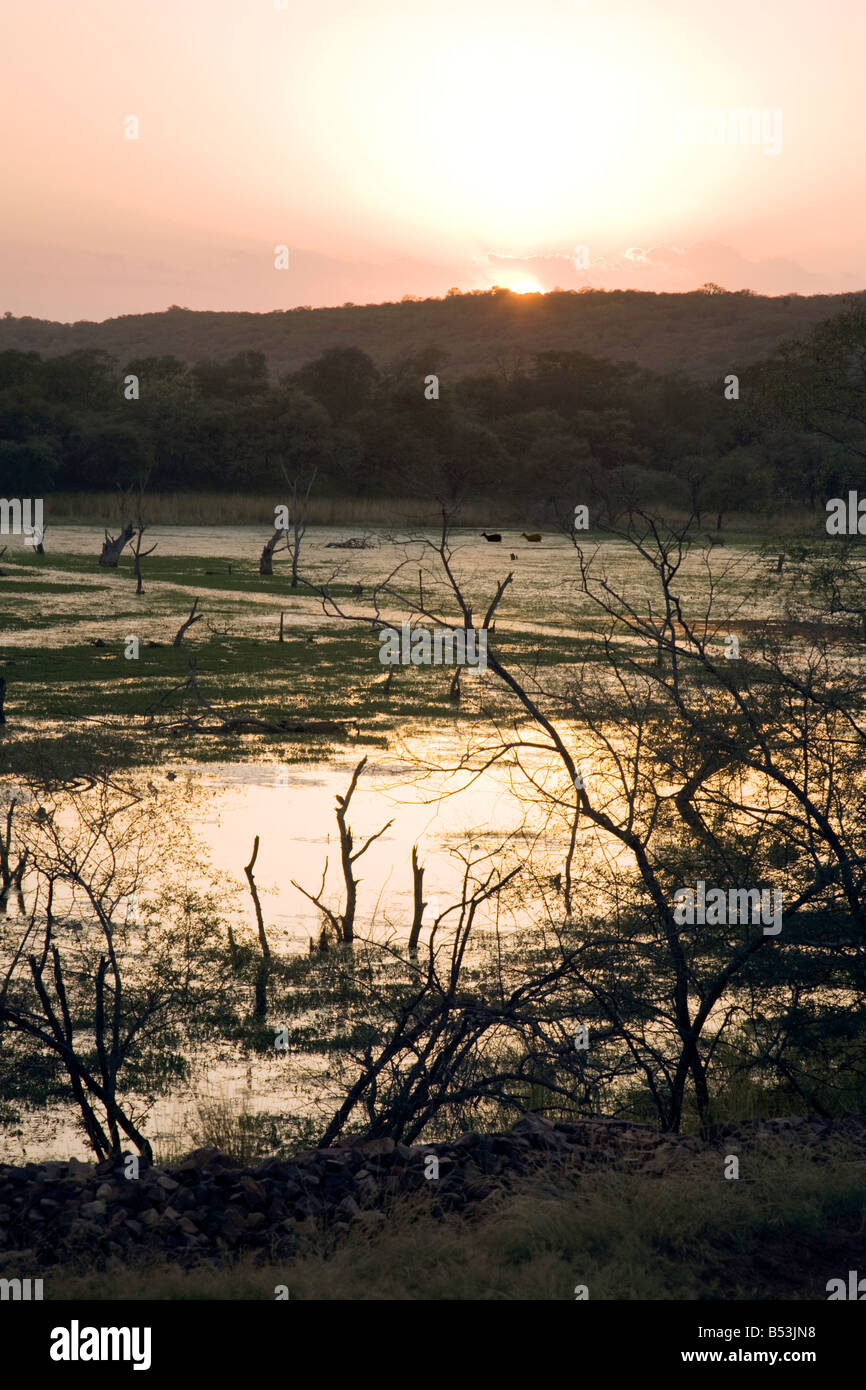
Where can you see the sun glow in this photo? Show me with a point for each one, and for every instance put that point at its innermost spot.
(526, 287)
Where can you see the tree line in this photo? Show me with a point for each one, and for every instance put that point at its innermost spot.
(562, 426)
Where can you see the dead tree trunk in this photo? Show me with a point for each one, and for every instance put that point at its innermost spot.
(299, 530)
(343, 923)
(418, 891)
(266, 563)
(137, 554)
(113, 545)
(11, 876)
(261, 1005)
(193, 618)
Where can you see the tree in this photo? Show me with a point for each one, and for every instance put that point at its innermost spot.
(108, 989)
(343, 380)
(701, 769)
(818, 385)
(299, 491)
(342, 922)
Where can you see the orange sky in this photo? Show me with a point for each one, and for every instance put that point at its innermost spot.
(403, 147)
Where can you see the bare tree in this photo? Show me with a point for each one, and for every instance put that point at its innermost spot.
(140, 528)
(300, 496)
(194, 617)
(261, 1003)
(343, 922)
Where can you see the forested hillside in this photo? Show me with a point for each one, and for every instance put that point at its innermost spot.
(703, 333)
(560, 425)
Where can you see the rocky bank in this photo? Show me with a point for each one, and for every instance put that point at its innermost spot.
(209, 1206)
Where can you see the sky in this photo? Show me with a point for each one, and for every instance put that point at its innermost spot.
(396, 148)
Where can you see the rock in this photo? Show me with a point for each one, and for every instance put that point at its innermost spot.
(662, 1158)
(93, 1209)
(468, 1140)
(378, 1146)
(349, 1208)
(166, 1183)
(79, 1171)
(54, 1168)
(209, 1159)
(533, 1124)
(254, 1192)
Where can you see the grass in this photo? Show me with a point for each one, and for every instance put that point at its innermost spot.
(256, 508)
(227, 1123)
(77, 677)
(785, 1227)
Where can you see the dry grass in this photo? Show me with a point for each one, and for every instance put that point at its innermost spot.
(227, 1123)
(257, 509)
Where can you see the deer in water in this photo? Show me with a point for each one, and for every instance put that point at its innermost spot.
(491, 535)
(534, 536)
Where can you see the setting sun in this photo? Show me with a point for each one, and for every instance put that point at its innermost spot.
(526, 287)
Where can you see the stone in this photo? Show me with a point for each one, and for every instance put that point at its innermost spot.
(468, 1140)
(254, 1189)
(378, 1146)
(209, 1159)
